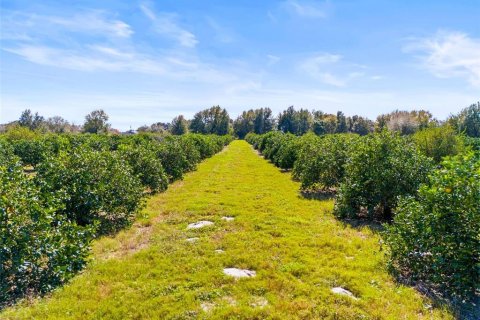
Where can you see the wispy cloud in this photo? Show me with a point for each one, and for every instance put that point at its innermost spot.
(166, 25)
(331, 69)
(272, 59)
(449, 54)
(29, 26)
(307, 9)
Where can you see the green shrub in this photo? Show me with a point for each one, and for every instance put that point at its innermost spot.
(382, 167)
(438, 142)
(100, 187)
(6, 151)
(435, 237)
(31, 152)
(321, 160)
(146, 166)
(173, 158)
(286, 151)
(39, 248)
(472, 143)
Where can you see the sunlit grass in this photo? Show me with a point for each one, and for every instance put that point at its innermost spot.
(297, 248)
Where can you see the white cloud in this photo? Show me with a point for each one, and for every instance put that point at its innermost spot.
(108, 59)
(331, 69)
(307, 9)
(29, 26)
(317, 67)
(165, 24)
(449, 54)
(222, 34)
(272, 59)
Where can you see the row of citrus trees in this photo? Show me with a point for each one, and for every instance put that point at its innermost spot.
(58, 192)
(432, 199)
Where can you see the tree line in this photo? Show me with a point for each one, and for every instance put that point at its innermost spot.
(216, 120)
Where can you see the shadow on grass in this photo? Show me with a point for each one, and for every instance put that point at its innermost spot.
(374, 226)
(461, 309)
(320, 195)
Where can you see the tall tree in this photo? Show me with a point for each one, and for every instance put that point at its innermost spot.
(211, 121)
(302, 121)
(296, 122)
(360, 125)
(264, 121)
(341, 123)
(179, 125)
(324, 123)
(96, 122)
(286, 120)
(57, 124)
(30, 120)
(244, 123)
(468, 120)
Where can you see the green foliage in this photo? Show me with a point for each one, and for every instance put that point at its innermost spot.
(30, 120)
(438, 142)
(472, 143)
(100, 187)
(30, 151)
(295, 122)
(96, 122)
(179, 125)
(39, 248)
(468, 121)
(287, 151)
(6, 151)
(258, 121)
(18, 133)
(211, 121)
(146, 166)
(435, 236)
(381, 167)
(321, 160)
(324, 123)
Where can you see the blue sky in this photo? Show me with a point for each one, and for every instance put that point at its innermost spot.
(148, 61)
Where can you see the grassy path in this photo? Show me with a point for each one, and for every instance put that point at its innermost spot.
(298, 250)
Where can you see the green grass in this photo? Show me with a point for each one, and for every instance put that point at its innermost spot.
(295, 245)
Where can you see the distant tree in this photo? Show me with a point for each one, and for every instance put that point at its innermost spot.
(286, 120)
(360, 125)
(96, 122)
(143, 128)
(57, 124)
(264, 121)
(244, 123)
(323, 123)
(341, 123)
(211, 121)
(468, 121)
(179, 125)
(258, 121)
(30, 120)
(381, 122)
(296, 122)
(405, 122)
(303, 121)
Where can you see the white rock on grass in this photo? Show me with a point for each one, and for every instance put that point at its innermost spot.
(239, 273)
(342, 291)
(207, 306)
(192, 239)
(259, 302)
(228, 218)
(219, 251)
(199, 224)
